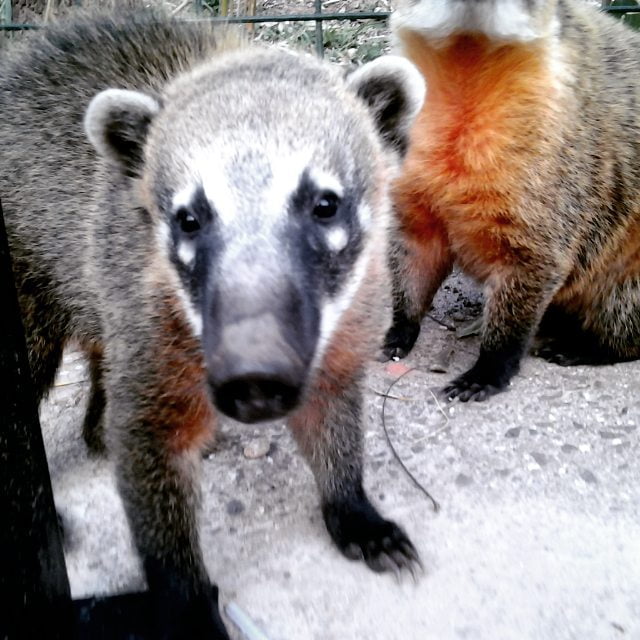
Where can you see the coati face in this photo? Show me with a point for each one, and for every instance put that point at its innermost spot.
(267, 174)
(502, 20)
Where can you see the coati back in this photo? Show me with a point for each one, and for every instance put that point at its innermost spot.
(210, 223)
(524, 168)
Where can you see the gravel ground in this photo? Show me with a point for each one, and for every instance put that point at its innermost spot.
(538, 536)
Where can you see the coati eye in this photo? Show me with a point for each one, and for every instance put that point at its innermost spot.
(326, 206)
(188, 222)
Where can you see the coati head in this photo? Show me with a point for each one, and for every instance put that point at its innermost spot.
(500, 20)
(266, 174)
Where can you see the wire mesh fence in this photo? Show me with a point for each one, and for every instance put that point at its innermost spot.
(303, 25)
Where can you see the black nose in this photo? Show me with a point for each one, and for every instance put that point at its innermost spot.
(255, 397)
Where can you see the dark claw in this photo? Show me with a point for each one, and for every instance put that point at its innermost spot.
(551, 353)
(362, 534)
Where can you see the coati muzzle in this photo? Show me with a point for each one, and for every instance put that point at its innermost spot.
(259, 366)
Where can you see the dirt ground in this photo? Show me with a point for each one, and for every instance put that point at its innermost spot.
(538, 536)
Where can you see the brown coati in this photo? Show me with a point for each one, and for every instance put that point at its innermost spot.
(211, 225)
(523, 168)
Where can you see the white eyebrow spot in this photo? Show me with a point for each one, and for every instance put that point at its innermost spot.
(326, 181)
(286, 172)
(212, 175)
(337, 238)
(184, 197)
(186, 252)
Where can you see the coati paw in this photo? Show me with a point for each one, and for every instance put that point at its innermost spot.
(556, 352)
(361, 533)
(400, 339)
(472, 385)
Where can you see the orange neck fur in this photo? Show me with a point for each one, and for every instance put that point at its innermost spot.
(486, 115)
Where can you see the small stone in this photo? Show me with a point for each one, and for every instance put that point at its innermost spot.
(568, 448)
(540, 458)
(463, 481)
(551, 396)
(609, 435)
(257, 449)
(512, 433)
(587, 476)
(235, 507)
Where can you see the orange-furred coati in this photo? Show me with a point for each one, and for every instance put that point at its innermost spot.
(210, 223)
(524, 168)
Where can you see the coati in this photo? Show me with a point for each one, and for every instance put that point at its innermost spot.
(210, 223)
(524, 168)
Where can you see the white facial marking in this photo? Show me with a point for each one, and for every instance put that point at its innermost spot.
(337, 238)
(163, 240)
(212, 176)
(163, 237)
(287, 171)
(499, 19)
(186, 252)
(326, 181)
(194, 318)
(184, 197)
(365, 216)
(333, 308)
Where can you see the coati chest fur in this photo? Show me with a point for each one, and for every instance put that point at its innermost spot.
(522, 168)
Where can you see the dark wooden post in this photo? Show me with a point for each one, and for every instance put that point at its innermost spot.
(35, 599)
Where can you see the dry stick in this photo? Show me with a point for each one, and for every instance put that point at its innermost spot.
(450, 327)
(47, 11)
(436, 506)
(180, 7)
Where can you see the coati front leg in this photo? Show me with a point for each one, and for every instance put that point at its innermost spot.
(159, 415)
(515, 302)
(420, 264)
(328, 431)
(93, 425)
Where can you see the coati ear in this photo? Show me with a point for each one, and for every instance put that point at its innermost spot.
(116, 123)
(394, 91)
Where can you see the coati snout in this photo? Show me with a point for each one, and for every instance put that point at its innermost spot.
(259, 363)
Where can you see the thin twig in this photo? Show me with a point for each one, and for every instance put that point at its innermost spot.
(447, 326)
(47, 11)
(436, 506)
(183, 5)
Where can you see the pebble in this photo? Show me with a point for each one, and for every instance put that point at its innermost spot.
(235, 507)
(568, 448)
(540, 458)
(257, 449)
(588, 476)
(463, 480)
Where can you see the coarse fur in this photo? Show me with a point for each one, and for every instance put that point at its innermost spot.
(523, 168)
(210, 223)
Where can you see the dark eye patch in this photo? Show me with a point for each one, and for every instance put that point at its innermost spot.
(194, 216)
